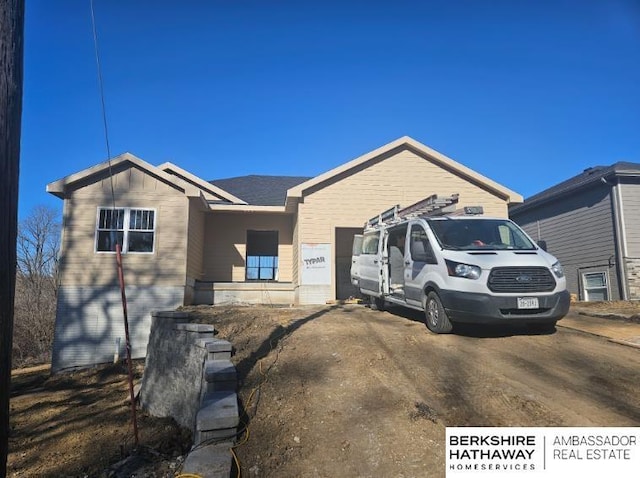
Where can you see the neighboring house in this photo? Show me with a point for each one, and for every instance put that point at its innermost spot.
(252, 239)
(591, 224)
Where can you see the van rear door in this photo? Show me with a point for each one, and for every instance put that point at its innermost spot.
(355, 254)
(369, 264)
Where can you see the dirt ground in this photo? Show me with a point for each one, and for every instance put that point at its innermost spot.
(79, 424)
(628, 310)
(337, 391)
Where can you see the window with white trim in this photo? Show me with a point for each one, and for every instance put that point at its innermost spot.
(132, 228)
(596, 286)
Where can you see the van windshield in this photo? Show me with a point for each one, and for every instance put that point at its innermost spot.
(479, 234)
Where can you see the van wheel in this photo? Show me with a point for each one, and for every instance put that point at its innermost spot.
(376, 303)
(435, 315)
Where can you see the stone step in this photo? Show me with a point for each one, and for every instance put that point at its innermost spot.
(217, 349)
(210, 461)
(170, 314)
(218, 410)
(219, 371)
(230, 386)
(222, 436)
(204, 331)
(219, 376)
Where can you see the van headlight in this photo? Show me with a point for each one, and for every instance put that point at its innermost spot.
(468, 271)
(557, 269)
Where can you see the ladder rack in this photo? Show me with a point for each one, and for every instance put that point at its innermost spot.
(434, 205)
(431, 206)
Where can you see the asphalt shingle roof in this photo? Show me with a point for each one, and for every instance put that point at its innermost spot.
(581, 180)
(260, 190)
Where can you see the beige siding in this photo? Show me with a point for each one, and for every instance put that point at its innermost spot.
(225, 244)
(295, 250)
(195, 240)
(82, 266)
(403, 178)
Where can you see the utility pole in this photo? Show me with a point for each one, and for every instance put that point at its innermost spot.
(11, 57)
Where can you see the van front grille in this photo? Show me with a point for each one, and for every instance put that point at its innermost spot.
(521, 280)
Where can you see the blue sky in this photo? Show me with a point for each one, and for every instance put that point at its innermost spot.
(528, 93)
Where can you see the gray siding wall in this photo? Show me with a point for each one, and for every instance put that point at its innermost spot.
(630, 198)
(579, 230)
(629, 191)
(90, 327)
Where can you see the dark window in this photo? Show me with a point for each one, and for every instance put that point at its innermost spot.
(479, 233)
(420, 247)
(370, 243)
(262, 255)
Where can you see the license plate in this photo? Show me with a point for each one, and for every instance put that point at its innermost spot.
(528, 303)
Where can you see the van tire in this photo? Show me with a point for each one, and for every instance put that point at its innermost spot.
(376, 303)
(435, 316)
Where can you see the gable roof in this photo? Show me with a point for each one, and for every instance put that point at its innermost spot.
(400, 144)
(260, 190)
(275, 193)
(69, 183)
(584, 179)
(200, 183)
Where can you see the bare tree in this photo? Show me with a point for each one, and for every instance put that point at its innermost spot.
(38, 244)
(36, 286)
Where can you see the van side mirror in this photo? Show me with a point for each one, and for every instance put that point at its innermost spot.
(542, 245)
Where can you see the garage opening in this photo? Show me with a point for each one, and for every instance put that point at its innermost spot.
(344, 241)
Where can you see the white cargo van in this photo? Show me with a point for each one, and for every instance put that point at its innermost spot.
(459, 267)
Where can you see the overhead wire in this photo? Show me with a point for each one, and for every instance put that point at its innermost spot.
(102, 102)
(114, 238)
(244, 431)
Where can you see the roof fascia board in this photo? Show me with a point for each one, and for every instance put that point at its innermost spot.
(199, 182)
(247, 208)
(60, 187)
(204, 205)
(298, 191)
(423, 150)
(624, 174)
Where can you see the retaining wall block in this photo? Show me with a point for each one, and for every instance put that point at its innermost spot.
(219, 371)
(219, 410)
(229, 386)
(211, 461)
(224, 435)
(217, 349)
